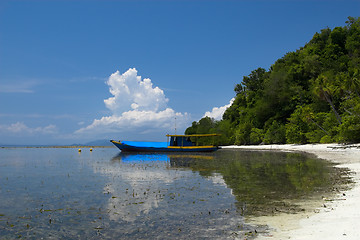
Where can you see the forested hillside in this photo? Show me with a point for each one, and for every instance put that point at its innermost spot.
(311, 95)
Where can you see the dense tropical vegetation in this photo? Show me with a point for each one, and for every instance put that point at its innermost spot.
(311, 95)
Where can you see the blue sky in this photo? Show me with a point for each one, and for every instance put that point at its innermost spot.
(77, 71)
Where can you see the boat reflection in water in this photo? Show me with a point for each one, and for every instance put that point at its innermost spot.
(171, 157)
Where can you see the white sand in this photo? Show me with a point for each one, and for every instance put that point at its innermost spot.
(338, 219)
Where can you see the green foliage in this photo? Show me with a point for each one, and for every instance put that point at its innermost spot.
(256, 136)
(275, 133)
(349, 131)
(308, 96)
(210, 125)
(242, 134)
(326, 139)
(254, 82)
(314, 136)
(227, 136)
(297, 127)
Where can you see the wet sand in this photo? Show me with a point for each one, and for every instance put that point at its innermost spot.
(336, 218)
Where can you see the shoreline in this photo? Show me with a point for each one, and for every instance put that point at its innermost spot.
(335, 219)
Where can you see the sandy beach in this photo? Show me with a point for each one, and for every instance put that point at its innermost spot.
(335, 219)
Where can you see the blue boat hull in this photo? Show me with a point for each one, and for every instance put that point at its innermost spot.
(130, 148)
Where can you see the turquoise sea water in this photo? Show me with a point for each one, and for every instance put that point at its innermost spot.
(59, 193)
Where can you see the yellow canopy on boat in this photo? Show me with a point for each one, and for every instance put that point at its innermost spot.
(194, 135)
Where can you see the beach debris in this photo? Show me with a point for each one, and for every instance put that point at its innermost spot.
(335, 199)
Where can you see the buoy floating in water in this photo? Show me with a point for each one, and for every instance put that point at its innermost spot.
(79, 150)
(90, 149)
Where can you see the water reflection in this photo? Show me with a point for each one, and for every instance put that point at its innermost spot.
(138, 157)
(135, 183)
(61, 194)
(148, 192)
(264, 182)
(260, 183)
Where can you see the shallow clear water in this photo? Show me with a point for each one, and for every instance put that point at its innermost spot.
(57, 193)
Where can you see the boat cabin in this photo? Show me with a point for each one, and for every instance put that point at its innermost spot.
(180, 141)
(186, 140)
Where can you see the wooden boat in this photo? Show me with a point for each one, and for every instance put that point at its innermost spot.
(177, 143)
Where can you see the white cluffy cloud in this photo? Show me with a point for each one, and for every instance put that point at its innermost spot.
(218, 112)
(20, 127)
(129, 90)
(136, 105)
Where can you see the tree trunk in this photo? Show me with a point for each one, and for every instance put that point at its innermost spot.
(328, 99)
(319, 126)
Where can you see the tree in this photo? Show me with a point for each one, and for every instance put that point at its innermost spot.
(352, 44)
(309, 95)
(275, 133)
(325, 88)
(297, 128)
(255, 80)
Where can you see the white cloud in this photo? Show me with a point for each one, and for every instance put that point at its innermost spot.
(136, 105)
(135, 119)
(20, 127)
(129, 90)
(218, 112)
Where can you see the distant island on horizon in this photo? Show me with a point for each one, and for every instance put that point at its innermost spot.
(95, 143)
